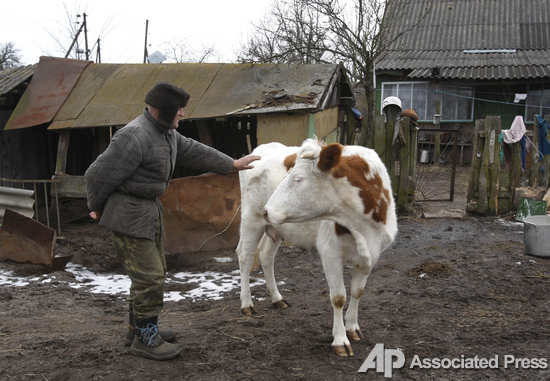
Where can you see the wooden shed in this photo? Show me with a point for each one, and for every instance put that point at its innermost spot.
(233, 108)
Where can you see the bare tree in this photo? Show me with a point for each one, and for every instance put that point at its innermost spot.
(9, 56)
(180, 51)
(292, 32)
(356, 33)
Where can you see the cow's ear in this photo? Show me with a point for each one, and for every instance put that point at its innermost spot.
(290, 161)
(330, 156)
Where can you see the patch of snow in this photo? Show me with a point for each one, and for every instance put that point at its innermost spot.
(209, 285)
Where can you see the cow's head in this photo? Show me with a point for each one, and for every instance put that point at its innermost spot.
(324, 184)
(307, 192)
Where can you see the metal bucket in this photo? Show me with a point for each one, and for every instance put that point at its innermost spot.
(537, 235)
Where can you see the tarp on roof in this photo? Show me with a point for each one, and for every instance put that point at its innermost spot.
(113, 95)
(52, 82)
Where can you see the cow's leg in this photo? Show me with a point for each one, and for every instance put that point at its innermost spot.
(334, 271)
(358, 282)
(246, 249)
(268, 248)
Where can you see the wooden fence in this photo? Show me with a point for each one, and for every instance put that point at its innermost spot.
(400, 158)
(492, 182)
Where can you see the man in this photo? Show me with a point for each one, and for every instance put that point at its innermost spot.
(123, 186)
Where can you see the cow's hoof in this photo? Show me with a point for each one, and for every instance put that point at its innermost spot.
(342, 350)
(355, 335)
(281, 304)
(248, 311)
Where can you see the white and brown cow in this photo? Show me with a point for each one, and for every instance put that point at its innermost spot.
(336, 198)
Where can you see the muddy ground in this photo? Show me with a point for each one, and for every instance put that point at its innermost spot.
(447, 288)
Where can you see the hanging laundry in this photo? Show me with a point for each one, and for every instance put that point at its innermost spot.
(516, 131)
(515, 134)
(544, 145)
(520, 97)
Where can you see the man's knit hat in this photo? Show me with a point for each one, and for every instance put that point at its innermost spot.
(168, 99)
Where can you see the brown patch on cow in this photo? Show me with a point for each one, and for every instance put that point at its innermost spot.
(341, 230)
(330, 156)
(290, 161)
(375, 197)
(338, 301)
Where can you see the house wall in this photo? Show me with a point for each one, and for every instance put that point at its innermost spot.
(293, 129)
(326, 122)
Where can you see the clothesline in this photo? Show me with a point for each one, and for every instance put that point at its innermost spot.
(491, 101)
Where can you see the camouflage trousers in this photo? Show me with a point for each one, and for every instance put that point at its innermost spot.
(145, 264)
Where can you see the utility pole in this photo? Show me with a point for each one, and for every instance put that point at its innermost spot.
(86, 38)
(82, 27)
(145, 54)
(98, 54)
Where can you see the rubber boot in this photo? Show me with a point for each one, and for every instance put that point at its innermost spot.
(148, 343)
(166, 334)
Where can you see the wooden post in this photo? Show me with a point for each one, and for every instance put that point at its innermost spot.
(380, 136)
(414, 152)
(534, 180)
(342, 128)
(495, 168)
(484, 174)
(62, 149)
(476, 161)
(392, 112)
(204, 133)
(515, 173)
(404, 166)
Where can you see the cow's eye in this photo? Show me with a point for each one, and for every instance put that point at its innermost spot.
(297, 180)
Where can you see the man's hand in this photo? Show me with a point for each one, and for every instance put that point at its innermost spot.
(96, 215)
(244, 162)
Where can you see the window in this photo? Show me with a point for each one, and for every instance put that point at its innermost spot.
(538, 101)
(412, 95)
(457, 101)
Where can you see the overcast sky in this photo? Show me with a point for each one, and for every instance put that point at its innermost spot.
(34, 25)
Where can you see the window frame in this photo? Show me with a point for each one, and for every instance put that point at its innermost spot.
(430, 86)
(543, 90)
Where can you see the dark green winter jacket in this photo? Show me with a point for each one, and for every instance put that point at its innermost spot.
(125, 181)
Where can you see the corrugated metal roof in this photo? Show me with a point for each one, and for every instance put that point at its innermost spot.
(451, 27)
(13, 77)
(53, 80)
(113, 95)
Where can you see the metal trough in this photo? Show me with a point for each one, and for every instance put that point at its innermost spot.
(537, 235)
(24, 240)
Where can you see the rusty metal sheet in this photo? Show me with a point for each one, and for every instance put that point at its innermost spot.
(51, 84)
(113, 95)
(90, 82)
(120, 99)
(23, 239)
(197, 209)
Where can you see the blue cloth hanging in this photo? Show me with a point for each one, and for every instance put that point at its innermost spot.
(523, 152)
(544, 145)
